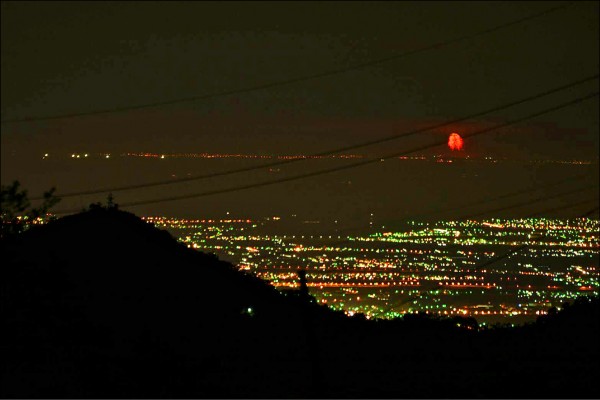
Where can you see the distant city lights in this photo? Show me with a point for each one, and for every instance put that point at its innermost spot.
(428, 267)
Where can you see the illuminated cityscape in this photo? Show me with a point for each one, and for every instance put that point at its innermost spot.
(300, 200)
(439, 268)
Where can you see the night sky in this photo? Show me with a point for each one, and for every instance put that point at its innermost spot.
(78, 57)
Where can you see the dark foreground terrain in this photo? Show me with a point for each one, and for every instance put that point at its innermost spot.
(102, 304)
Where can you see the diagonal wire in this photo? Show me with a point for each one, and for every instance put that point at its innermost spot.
(503, 196)
(357, 164)
(537, 200)
(529, 202)
(304, 78)
(333, 151)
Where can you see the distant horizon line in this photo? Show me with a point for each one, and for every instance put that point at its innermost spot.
(460, 155)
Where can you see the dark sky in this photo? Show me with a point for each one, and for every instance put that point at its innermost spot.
(70, 57)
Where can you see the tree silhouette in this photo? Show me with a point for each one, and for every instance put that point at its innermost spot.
(110, 204)
(303, 283)
(16, 210)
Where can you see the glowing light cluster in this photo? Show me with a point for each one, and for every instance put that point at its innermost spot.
(455, 142)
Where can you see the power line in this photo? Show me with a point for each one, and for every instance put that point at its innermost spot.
(354, 165)
(591, 212)
(355, 229)
(571, 205)
(361, 228)
(297, 79)
(536, 200)
(506, 195)
(333, 151)
(366, 162)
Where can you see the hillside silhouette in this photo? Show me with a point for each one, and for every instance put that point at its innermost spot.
(103, 304)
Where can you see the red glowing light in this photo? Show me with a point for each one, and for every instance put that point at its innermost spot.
(455, 142)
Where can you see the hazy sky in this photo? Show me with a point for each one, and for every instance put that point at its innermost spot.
(70, 57)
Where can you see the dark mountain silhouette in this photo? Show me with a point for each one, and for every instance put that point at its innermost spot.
(102, 304)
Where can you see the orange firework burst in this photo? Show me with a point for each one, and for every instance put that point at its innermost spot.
(455, 142)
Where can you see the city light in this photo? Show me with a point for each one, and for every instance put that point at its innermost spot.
(434, 264)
